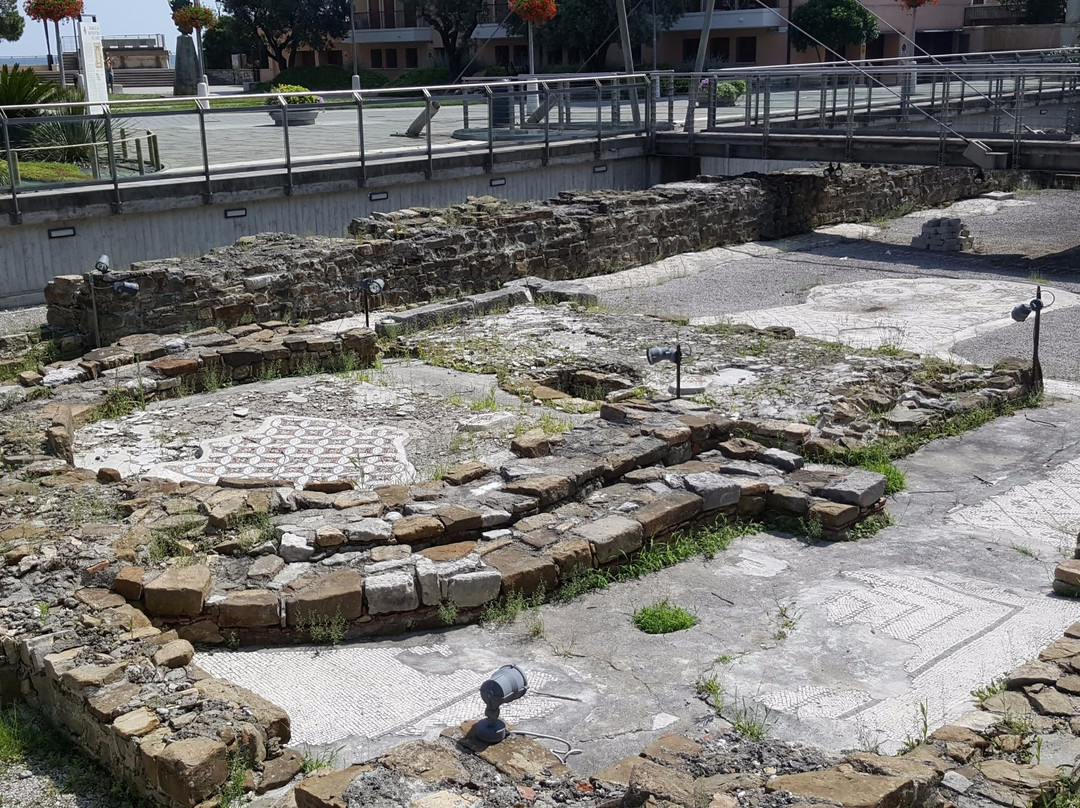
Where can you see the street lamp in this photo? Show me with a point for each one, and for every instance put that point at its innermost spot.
(1019, 314)
(352, 37)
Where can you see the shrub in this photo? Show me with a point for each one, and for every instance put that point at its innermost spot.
(327, 77)
(293, 99)
(20, 86)
(421, 77)
(728, 92)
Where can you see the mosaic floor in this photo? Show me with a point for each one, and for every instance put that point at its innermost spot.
(298, 450)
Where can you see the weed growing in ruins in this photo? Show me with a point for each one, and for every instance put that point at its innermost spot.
(922, 730)
(1062, 793)
(507, 608)
(231, 792)
(747, 717)
(212, 378)
(308, 366)
(982, 694)
(486, 404)
(40, 354)
(232, 641)
(784, 619)
(553, 425)
(268, 371)
(876, 458)
(455, 400)
(323, 759)
(448, 612)
(1024, 550)
(534, 624)
(663, 617)
(323, 629)
(117, 404)
(710, 690)
(43, 613)
(872, 525)
(90, 506)
(174, 541)
(253, 529)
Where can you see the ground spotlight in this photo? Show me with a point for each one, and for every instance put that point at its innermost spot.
(129, 288)
(507, 684)
(103, 264)
(666, 353)
(1021, 313)
(371, 287)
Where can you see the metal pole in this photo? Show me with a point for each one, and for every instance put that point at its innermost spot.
(1036, 367)
(429, 110)
(678, 370)
(699, 63)
(355, 58)
(360, 136)
(628, 59)
(599, 122)
(118, 205)
(491, 127)
(288, 149)
(16, 214)
(208, 194)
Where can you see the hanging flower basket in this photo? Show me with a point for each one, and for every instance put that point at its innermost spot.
(54, 10)
(191, 18)
(534, 12)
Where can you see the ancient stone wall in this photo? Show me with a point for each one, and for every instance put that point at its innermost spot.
(430, 254)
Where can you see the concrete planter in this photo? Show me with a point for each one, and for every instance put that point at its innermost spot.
(297, 117)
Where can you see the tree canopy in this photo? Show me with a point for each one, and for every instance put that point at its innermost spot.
(227, 37)
(834, 23)
(592, 26)
(12, 23)
(284, 26)
(455, 21)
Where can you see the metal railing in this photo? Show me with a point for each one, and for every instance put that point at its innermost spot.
(209, 139)
(993, 15)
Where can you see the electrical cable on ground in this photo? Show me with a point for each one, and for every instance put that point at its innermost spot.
(562, 755)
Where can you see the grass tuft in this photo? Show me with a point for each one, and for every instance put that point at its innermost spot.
(663, 617)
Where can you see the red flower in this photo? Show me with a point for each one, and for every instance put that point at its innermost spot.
(189, 18)
(54, 10)
(536, 12)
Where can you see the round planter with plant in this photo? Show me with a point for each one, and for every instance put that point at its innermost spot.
(297, 107)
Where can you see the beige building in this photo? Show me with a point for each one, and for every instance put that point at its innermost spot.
(389, 37)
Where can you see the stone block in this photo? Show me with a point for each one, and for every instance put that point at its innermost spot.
(458, 519)
(523, 571)
(572, 556)
(112, 701)
(391, 592)
(279, 771)
(548, 489)
(860, 488)
(1068, 572)
(533, 443)
(265, 568)
(327, 790)
(417, 529)
(424, 760)
(848, 788)
(170, 367)
(250, 608)
(192, 769)
(785, 461)
(294, 548)
(789, 500)
(339, 593)
(664, 514)
(833, 515)
(129, 582)
(179, 591)
(466, 473)
(660, 783)
(612, 537)
(471, 589)
(368, 531)
(175, 654)
(716, 490)
(136, 723)
(519, 757)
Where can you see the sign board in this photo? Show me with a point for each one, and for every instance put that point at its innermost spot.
(92, 59)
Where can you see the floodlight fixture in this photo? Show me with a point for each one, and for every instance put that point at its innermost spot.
(129, 288)
(1021, 313)
(370, 287)
(103, 264)
(667, 353)
(507, 684)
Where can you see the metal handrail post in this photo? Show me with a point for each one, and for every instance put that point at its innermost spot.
(430, 170)
(798, 88)
(766, 106)
(208, 194)
(16, 214)
(599, 119)
(547, 124)
(110, 146)
(850, 127)
(491, 127)
(751, 89)
(288, 146)
(1018, 115)
(360, 137)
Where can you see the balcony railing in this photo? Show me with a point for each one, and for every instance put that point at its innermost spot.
(990, 15)
(382, 20)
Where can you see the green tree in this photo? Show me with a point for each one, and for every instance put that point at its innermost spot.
(834, 23)
(12, 23)
(455, 21)
(285, 26)
(229, 36)
(592, 26)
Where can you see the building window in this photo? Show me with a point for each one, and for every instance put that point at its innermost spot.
(412, 58)
(502, 55)
(720, 49)
(689, 50)
(521, 56)
(554, 57)
(306, 58)
(391, 58)
(334, 57)
(376, 58)
(746, 49)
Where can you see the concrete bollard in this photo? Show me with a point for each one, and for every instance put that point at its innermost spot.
(422, 120)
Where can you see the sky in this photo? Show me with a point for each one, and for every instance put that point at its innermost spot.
(117, 17)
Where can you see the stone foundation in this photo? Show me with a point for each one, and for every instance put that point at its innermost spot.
(428, 254)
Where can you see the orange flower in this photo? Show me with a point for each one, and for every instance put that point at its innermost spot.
(536, 12)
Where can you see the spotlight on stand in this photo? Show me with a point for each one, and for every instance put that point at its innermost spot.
(1021, 313)
(371, 287)
(129, 288)
(665, 353)
(103, 264)
(507, 684)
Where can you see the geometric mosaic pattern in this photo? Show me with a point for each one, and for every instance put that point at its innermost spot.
(961, 635)
(299, 450)
(366, 691)
(1045, 512)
